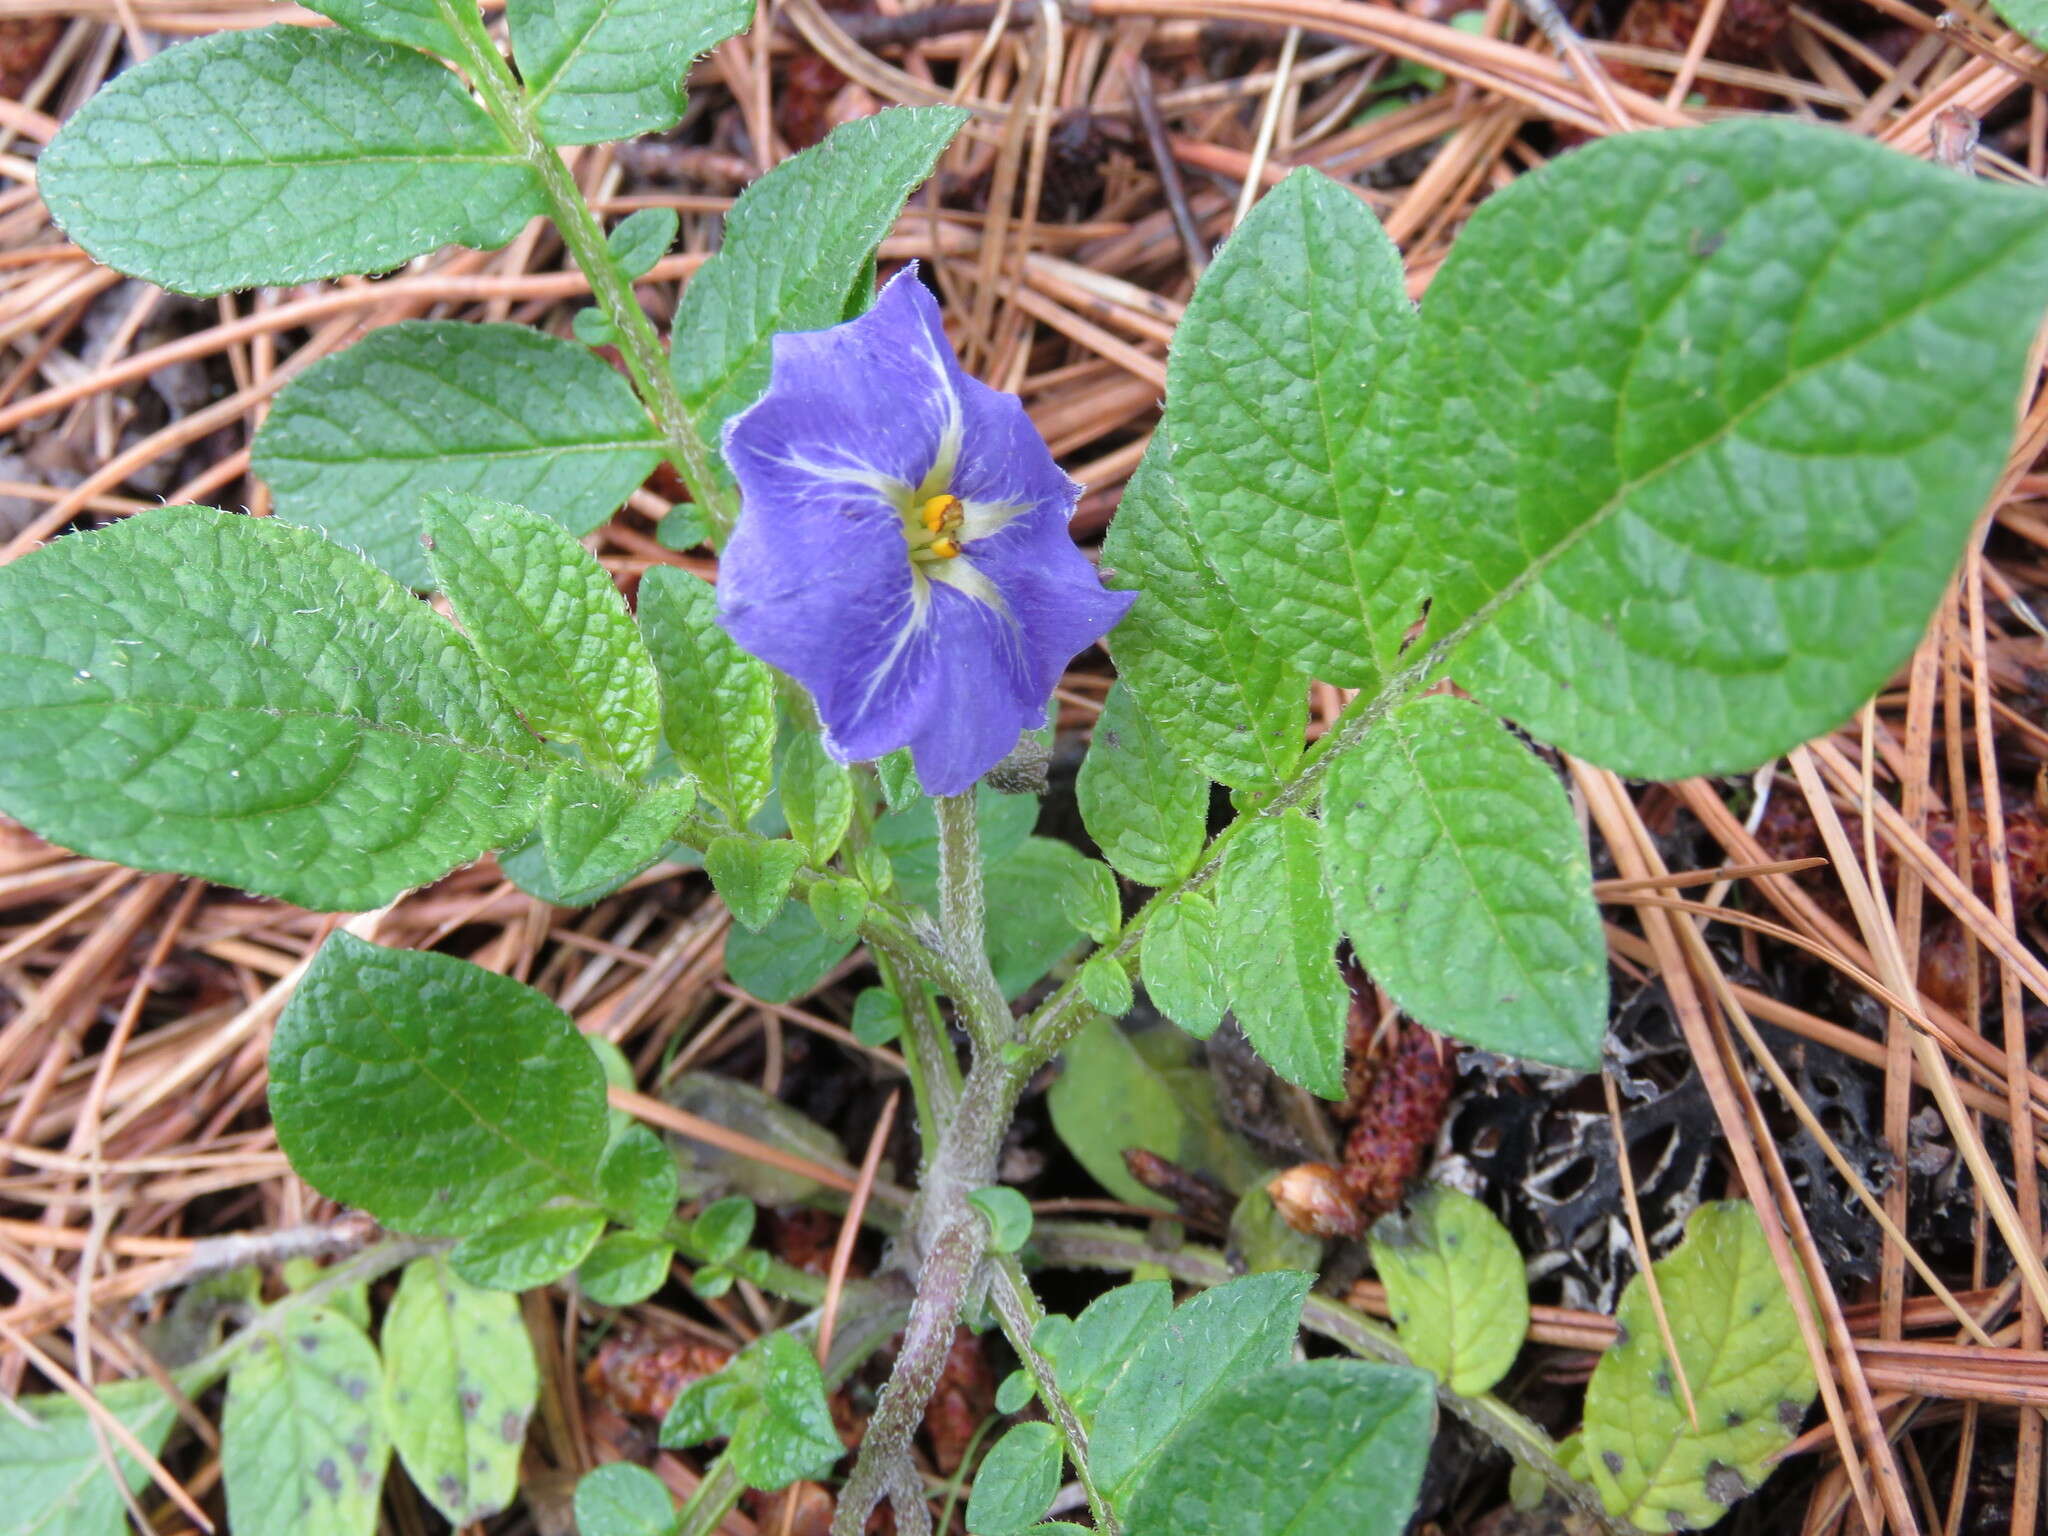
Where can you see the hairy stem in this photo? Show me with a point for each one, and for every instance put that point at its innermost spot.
(963, 927)
(647, 363)
(1018, 1307)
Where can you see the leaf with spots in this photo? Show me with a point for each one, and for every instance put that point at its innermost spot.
(302, 1441)
(1738, 1338)
(52, 1467)
(1455, 1287)
(460, 1383)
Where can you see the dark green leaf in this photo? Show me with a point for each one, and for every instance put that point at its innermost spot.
(718, 703)
(1017, 1481)
(786, 959)
(1178, 964)
(609, 69)
(1028, 926)
(723, 1228)
(877, 1016)
(637, 1180)
(535, 1249)
(415, 23)
(1105, 1338)
(1146, 808)
(1277, 948)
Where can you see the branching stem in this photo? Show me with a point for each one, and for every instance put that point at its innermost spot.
(1018, 1307)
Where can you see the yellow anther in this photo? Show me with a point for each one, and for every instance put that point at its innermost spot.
(945, 549)
(939, 515)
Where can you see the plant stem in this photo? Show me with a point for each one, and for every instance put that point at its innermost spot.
(1092, 1246)
(1018, 1307)
(646, 361)
(963, 924)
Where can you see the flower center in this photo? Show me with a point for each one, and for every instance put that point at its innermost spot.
(933, 530)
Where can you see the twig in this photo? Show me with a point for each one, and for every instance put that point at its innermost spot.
(1170, 184)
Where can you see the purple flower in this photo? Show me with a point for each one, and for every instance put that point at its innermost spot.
(902, 546)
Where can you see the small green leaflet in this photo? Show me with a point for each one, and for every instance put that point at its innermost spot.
(817, 796)
(537, 1248)
(1455, 1286)
(770, 1402)
(1092, 900)
(795, 241)
(641, 239)
(1233, 1331)
(1260, 1240)
(1233, 704)
(550, 626)
(460, 1383)
(722, 1229)
(753, 876)
(718, 703)
(609, 69)
(1744, 1359)
(1462, 877)
(1296, 1450)
(1270, 387)
(1654, 431)
(54, 1471)
(637, 1179)
(281, 155)
(1104, 1339)
(839, 905)
(620, 1499)
(1008, 1215)
(415, 23)
(625, 1268)
(233, 698)
(302, 1442)
(1107, 986)
(1178, 964)
(1277, 947)
(596, 832)
(2029, 18)
(357, 443)
(440, 1097)
(1146, 809)
(1017, 1481)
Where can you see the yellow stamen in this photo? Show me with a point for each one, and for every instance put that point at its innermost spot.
(944, 549)
(941, 514)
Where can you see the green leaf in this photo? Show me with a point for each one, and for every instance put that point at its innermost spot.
(1092, 900)
(898, 778)
(877, 1016)
(839, 905)
(794, 243)
(1008, 1214)
(1015, 1391)
(1738, 1338)
(594, 328)
(1146, 808)
(1177, 963)
(787, 958)
(54, 1471)
(535, 1249)
(2029, 18)
(1233, 1331)
(1699, 423)
(817, 796)
(1270, 383)
(597, 70)
(723, 1228)
(415, 23)
(1105, 1338)
(620, 1499)
(302, 1441)
(1261, 1241)
(596, 833)
(1455, 1286)
(641, 239)
(356, 444)
(460, 1383)
(910, 837)
(279, 156)
(440, 1097)
(718, 703)
(235, 699)
(1232, 703)
(637, 1180)
(1029, 928)
(753, 876)
(1017, 1481)
(1119, 1090)
(550, 626)
(1276, 944)
(1107, 986)
(1328, 1445)
(625, 1268)
(770, 1402)
(1462, 877)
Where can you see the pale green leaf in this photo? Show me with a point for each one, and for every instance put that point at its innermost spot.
(752, 876)
(1276, 941)
(302, 1441)
(795, 242)
(2029, 18)
(278, 156)
(240, 700)
(1017, 1480)
(1698, 424)
(1146, 808)
(620, 1499)
(1270, 384)
(839, 905)
(52, 1467)
(1738, 1338)
(537, 1248)
(744, 1108)
(1296, 1450)
(770, 1402)
(718, 703)
(817, 796)
(1462, 877)
(415, 23)
(641, 239)
(1178, 964)
(1105, 1337)
(550, 626)
(1107, 986)
(1261, 1240)
(1230, 702)
(1236, 1330)
(1029, 926)
(596, 832)
(627, 1267)
(437, 1096)
(356, 444)
(460, 1383)
(597, 70)
(1092, 900)
(1455, 1288)
(1008, 1215)
(637, 1179)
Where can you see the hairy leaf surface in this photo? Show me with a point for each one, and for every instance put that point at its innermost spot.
(608, 69)
(596, 832)
(770, 1402)
(1178, 964)
(718, 703)
(415, 23)
(1146, 807)
(1276, 943)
